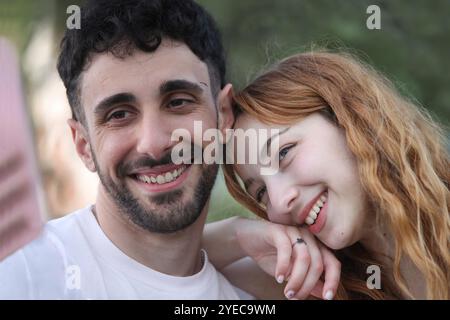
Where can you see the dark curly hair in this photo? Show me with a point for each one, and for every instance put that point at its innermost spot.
(121, 26)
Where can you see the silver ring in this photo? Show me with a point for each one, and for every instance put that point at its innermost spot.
(298, 241)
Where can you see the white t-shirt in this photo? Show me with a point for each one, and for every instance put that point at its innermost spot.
(73, 259)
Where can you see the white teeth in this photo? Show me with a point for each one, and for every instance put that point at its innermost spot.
(312, 216)
(162, 178)
(168, 177)
(143, 178)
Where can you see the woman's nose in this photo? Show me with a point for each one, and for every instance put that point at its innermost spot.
(282, 198)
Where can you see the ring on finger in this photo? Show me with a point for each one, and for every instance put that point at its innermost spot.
(298, 241)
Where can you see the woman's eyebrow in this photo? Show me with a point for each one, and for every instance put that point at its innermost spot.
(269, 141)
(248, 183)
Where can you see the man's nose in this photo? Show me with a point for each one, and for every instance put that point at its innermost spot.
(282, 198)
(153, 136)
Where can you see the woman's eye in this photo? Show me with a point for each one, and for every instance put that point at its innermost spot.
(283, 152)
(260, 194)
(178, 103)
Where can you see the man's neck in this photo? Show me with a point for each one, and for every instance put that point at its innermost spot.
(176, 254)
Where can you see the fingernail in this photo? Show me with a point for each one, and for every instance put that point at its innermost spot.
(329, 295)
(280, 279)
(289, 294)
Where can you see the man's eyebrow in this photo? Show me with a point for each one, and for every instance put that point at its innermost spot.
(113, 100)
(180, 85)
(269, 141)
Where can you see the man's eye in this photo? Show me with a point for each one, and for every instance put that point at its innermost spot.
(283, 152)
(260, 194)
(178, 103)
(118, 115)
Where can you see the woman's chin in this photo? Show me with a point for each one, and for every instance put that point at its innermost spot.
(336, 241)
(333, 245)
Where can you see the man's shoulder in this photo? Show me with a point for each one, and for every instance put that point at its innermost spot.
(52, 238)
(35, 263)
(69, 220)
(43, 260)
(58, 235)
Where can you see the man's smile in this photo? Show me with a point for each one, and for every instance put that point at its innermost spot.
(161, 178)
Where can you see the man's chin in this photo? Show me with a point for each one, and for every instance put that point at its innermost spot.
(167, 211)
(163, 200)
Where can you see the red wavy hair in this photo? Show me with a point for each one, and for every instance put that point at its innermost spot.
(401, 157)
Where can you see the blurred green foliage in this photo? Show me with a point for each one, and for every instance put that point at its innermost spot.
(412, 48)
(19, 18)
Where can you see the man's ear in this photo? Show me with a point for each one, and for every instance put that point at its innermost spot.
(225, 108)
(82, 145)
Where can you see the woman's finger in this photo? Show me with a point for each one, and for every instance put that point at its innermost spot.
(300, 260)
(282, 243)
(315, 269)
(332, 267)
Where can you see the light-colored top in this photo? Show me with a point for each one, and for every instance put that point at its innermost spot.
(74, 259)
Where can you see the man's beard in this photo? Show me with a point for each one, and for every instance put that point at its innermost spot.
(170, 213)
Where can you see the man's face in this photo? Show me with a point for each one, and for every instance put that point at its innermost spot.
(132, 106)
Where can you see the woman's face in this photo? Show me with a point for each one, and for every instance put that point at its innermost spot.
(317, 183)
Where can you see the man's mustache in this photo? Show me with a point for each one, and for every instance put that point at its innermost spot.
(147, 162)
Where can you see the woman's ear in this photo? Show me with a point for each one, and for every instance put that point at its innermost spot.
(82, 144)
(225, 109)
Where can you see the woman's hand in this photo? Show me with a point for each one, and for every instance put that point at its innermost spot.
(276, 250)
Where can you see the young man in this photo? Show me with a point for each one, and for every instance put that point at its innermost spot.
(135, 71)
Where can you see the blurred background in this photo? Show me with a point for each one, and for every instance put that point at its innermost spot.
(412, 48)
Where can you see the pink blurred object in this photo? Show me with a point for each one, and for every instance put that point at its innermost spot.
(21, 208)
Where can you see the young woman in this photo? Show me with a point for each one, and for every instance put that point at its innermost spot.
(363, 168)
